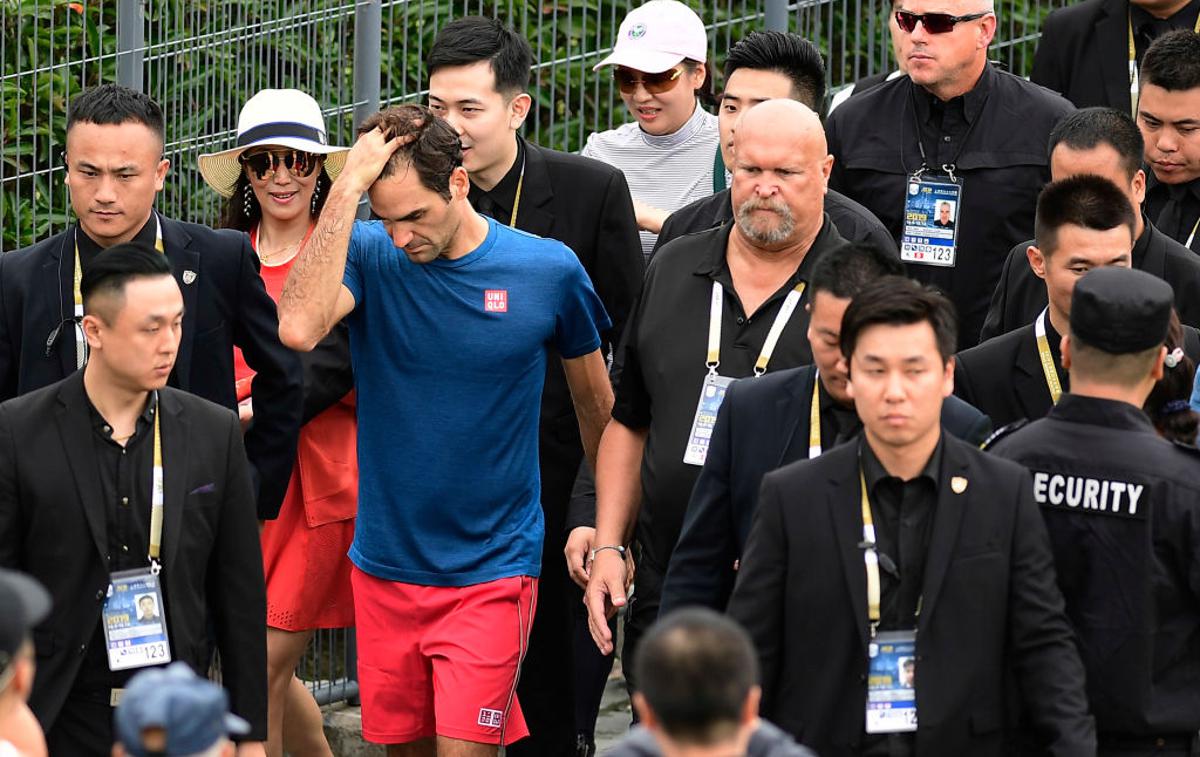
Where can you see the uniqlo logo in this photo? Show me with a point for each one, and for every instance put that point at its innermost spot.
(490, 718)
(495, 300)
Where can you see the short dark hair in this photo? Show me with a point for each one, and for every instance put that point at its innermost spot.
(115, 267)
(1173, 61)
(1092, 202)
(900, 301)
(784, 53)
(1089, 128)
(845, 271)
(695, 668)
(435, 152)
(475, 38)
(112, 104)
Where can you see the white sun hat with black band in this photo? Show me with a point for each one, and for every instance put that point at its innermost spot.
(276, 118)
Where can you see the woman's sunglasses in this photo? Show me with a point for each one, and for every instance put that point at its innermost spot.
(934, 23)
(297, 162)
(627, 80)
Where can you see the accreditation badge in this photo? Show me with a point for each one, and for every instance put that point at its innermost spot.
(931, 207)
(891, 682)
(712, 394)
(135, 621)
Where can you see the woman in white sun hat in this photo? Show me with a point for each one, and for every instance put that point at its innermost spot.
(275, 180)
(668, 152)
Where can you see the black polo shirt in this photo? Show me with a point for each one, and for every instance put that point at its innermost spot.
(1175, 209)
(996, 137)
(854, 222)
(1147, 28)
(660, 367)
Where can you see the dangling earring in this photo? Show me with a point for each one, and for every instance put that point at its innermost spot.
(316, 197)
(248, 200)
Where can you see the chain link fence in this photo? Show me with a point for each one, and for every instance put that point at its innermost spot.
(201, 61)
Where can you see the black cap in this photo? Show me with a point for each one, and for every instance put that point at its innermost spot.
(1121, 310)
(23, 604)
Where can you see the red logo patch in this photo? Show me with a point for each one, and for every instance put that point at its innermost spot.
(495, 300)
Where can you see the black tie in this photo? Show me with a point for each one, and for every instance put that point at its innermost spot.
(1170, 218)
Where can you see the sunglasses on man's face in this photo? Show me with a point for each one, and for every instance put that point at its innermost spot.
(297, 162)
(627, 80)
(934, 23)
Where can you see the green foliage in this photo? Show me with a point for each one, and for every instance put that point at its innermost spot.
(203, 58)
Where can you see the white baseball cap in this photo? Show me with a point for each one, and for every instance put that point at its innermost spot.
(656, 36)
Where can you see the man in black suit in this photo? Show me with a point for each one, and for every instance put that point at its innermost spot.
(478, 77)
(909, 544)
(1169, 117)
(79, 475)
(115, 168)
(1104, 142)
(767, 423)
(1082, 223)
(1084, 50)
(764, 66)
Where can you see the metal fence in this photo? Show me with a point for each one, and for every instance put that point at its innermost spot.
(201, 61)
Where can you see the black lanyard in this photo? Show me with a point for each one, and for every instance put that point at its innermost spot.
(948, 168)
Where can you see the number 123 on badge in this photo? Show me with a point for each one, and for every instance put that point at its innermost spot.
(931, 222)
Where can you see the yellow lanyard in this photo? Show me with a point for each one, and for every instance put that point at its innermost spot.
(1047, 359)
(870, 556)
(156, 492)
(1192, 236)
(716, 306)
(814, 419)
(1133, 70)
(512, 219)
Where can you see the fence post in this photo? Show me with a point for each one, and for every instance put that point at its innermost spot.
(777, 15)
(368, 23)
(131, 44)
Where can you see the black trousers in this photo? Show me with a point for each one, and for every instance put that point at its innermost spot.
(83, 728)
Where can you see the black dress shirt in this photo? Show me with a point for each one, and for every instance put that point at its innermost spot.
(660, 367)
(88, 249)
(995, 135)
(1147, 28)
(498, 202)
(125, 473)
(903, 515)
(1175, 209)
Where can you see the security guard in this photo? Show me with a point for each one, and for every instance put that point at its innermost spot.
(1168, 115)
(955, 130)
(1083, 222)
(1123, 510)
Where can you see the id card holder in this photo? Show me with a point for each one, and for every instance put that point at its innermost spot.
(891, 683)
(931, 207)
(712, 394)
(135, 623)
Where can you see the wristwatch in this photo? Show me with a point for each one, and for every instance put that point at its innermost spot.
(615, 547)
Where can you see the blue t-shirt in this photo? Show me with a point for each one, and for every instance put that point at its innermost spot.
(449, 361)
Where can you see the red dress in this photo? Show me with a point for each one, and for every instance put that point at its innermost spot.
(304, 549)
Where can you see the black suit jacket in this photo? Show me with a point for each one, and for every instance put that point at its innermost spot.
(1003, 377)
(763, 424)
(1020, 295)
(991, 604)
(53, 525)
(225, 304)
(853, 221)
(1084, 54)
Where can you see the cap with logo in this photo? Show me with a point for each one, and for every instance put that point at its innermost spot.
(1121, 310)
(191, 711)
(23, 604)
(657, 36)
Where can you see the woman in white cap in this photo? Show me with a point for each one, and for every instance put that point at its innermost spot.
(669, 152)
(276, 179)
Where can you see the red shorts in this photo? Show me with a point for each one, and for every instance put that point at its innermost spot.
(444, 661)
